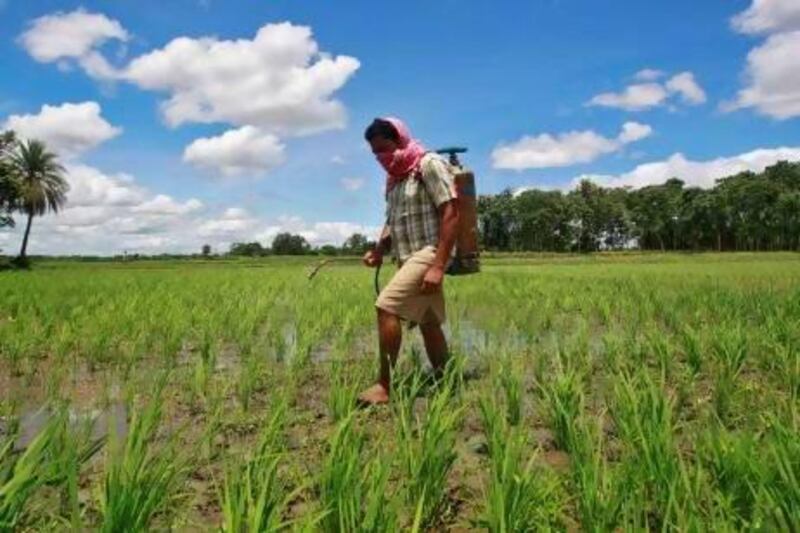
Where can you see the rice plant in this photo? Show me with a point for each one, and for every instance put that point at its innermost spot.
(563, 395)
(353, 489)
(780, 492)
(425, 444)
(142, 475)
(734, 464)
(342, 393)
(601, 487)
(521, 496)
(53, 459)
(253, 496)
(643, 417)
(692, 348)
(511, 385)
(22, 474)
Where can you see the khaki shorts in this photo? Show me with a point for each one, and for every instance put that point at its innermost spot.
(403, 295)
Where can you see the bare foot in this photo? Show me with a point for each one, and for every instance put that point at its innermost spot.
(375, 395)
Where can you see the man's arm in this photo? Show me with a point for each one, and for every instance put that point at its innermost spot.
(374, 257)
(384, 243)
(448, 232)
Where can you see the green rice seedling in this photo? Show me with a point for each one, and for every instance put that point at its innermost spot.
(786, 358)
(724, 395)
(520, 496)
(354, 495)
(253, 497)
(53, 458)
(660, 347)
(734, 463)
(248, 379)
(141, 477)
(203, 371)
(22, 474)
(613, 348)
(511, 384)
(601, 487)
(425, 446)
(564, 397)
(692, 348)
(342, 393)
(730, 349)
(643, 417)
(780, 490)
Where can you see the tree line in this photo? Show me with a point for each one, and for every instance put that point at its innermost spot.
(293, 244)
(744, 212)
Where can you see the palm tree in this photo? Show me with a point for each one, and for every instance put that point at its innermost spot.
(8, 185)
(41, 182)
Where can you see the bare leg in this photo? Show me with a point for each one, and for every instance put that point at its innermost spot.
(436, 346)
(390, 336)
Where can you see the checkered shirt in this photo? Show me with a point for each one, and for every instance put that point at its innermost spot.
(411, 207)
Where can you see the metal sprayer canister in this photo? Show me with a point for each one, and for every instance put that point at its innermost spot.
(467, 255)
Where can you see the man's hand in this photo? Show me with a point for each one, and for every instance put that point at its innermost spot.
(372, 258)
(432, 282)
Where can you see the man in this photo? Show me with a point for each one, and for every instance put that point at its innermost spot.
(421, 226)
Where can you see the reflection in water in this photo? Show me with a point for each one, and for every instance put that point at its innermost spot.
(98, 422)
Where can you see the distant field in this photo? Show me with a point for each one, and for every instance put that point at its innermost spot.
(613, 391)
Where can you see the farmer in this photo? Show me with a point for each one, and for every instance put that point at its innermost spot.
(420, 230)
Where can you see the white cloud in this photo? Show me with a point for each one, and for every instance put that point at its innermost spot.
(648, 74)
(234, 224)
(633, 98)
(773, 78)
(89, 187)
(545, 150)
(316, 233)
(74, 36)
(108, 214)
(687, 87)
(246, 150)
(696, 173)
(768, 16)
(164, 205)
(352, 184)
(772, 74)
(641, 96)
(69, 129)
(633, 131)
(278, 81)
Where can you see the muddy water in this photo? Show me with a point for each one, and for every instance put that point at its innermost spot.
(98, 422)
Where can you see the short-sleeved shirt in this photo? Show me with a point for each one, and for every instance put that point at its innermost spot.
(412, 206)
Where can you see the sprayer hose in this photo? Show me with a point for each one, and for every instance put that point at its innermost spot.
(377, 279)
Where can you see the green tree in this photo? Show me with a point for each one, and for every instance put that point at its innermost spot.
(328, 250)
(251, 249)
(41, 182)
(496, 220)
(9, 190)
(289, 244)
(206, 250)
(542, 221)
(356, 244)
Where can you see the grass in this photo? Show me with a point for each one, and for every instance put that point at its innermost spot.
(604, 393)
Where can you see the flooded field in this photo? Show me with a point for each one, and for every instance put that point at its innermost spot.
(586, 393)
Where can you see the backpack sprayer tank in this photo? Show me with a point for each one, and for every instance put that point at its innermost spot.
(467, 254)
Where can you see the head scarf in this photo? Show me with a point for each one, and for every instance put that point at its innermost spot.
(400, 163)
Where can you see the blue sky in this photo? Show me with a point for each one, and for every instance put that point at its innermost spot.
(196, 121)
